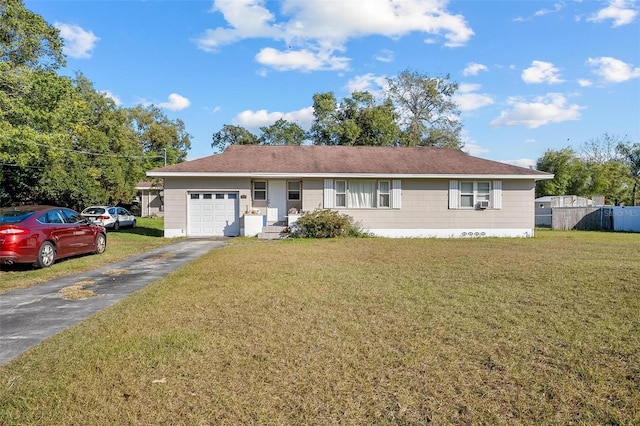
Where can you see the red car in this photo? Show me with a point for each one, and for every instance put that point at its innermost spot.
(43, 234)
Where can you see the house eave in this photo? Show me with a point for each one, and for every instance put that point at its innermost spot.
(293, 175)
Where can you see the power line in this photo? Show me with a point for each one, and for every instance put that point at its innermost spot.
(22, 167)
(100, 154)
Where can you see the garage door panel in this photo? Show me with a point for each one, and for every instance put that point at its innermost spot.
(213, 214)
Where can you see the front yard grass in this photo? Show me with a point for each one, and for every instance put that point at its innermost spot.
(356, 331)
(121, 244)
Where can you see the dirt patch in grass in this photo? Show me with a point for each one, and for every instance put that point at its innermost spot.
(367, 331)
(77, 291)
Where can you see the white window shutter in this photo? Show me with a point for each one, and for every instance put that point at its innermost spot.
(396, 191)
(496, 197)
(329, 194)
(454, 194)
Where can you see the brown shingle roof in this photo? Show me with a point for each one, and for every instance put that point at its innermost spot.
(326, 160)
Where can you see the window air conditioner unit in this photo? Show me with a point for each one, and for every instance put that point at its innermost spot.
(484, 204)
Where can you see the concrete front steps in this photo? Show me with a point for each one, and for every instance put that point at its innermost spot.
(273, 232)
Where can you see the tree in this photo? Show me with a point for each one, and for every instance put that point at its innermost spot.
(598, 171)
(233, 135)
(601, 149)
(631, 157)
(429, 117)
(358, 120)
(29, 128)
(161, 140)
(570, 177)
(325, 128)
(610, 179)
(282, 132)
(61, 141)
(26, 40)
(369, 123)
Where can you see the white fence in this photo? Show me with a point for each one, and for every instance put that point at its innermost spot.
(625, 218)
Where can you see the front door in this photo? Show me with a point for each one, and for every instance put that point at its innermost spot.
(278, 197)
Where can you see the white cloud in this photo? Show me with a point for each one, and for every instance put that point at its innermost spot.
(583, 82)
(313, 30)
(114, 98)
(469, 101)
(385, 55)
(522, 162)
(78, 43)
(303, 60)
(339, 21)
(246, 19)
(552, 108)
(541, 72)
(621, 12)
(557, 7)
(613, 70)
(176, 103)
(471, 146)
(474, 68)
(368, 82)
(253, 120)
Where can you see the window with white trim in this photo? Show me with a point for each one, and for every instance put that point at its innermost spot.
(293, 190)
(340, 193)
(384, 193)
(362, 193)
(259, 190)
(474, 194)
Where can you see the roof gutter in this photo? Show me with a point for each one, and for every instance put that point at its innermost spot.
(264, 175)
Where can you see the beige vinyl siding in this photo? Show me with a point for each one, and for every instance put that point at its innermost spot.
(312, 195)
(425, 204)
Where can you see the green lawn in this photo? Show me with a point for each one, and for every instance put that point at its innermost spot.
(126, 242)
(356, 331)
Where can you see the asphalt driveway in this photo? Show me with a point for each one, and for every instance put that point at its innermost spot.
(30, 315)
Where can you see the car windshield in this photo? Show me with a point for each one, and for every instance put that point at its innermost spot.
(14, 216)
(93, 210)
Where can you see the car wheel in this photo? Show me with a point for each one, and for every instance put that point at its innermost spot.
(133, 224)
(46, 255)
(101, 244)
(116, 226)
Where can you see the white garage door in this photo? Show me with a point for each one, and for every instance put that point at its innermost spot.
(213, 214)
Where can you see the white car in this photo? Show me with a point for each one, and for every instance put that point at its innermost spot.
(109, 217)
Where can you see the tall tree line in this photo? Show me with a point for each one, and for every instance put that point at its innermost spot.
(63, 142)
(414, 110)
(607, 165)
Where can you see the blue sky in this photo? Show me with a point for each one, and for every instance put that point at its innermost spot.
(533, 75)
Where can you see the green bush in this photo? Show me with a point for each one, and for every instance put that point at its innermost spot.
(326, 224)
